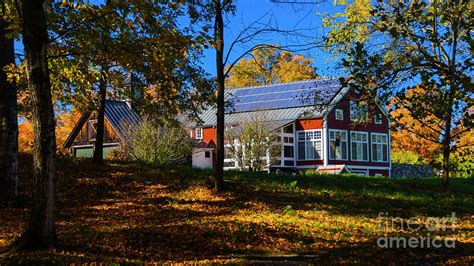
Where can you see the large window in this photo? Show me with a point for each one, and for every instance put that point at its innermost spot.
(310, 145)
(359, 111)
(359, 146)
(379, 147)
(337, 144)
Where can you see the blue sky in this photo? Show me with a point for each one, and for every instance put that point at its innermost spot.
(304, 17)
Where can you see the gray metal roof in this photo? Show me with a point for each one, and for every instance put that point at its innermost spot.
(280, 102)
(121, 116)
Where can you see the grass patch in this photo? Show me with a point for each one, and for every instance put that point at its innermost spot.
(133, 213)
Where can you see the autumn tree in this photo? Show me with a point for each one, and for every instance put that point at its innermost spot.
(40, 232)
(139, 37)
(253, 143)
(270, 65)
(8, 112)
(425, 44)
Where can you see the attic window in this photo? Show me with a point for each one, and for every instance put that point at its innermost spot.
(339, 114)
(378, 119)
(92, 129)
(198, 133)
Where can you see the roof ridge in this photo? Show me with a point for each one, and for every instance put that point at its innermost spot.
(283, 83)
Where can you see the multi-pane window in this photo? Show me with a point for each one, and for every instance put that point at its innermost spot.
(359, 110)
(337, 144)
(379, 147)
(198, 133)
(359, 146)
(339, 114)
(310, 145)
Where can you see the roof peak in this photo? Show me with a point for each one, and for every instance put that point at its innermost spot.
(283, 83)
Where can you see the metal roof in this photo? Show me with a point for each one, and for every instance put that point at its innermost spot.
(120, 116)
(279, 102)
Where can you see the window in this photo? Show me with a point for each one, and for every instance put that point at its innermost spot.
(379, 147)
(309, 145)
(378, 119)
(289, 163)
(359, 146)
(198, 133)
(339, 114)
(358, 110)
(337, 144)
(207, 154)
(288, 139)
(288, 151)
(92, 129)
(288, 129)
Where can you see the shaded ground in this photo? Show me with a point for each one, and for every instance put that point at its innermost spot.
(132, 213)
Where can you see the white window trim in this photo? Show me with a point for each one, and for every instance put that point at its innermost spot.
(297, 140)
(341, 112)
(199, 136)
(377, 120)
(386, 143)
(367, 142)
(347, 144)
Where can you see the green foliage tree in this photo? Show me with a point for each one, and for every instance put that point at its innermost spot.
(159, 142)
(427, 44)
(406, 157)
(138, 36)
(270, 65)
(253, 144)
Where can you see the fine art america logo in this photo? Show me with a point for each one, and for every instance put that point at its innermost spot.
(428, 231)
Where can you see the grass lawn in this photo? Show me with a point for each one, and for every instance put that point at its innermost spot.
(134, 213)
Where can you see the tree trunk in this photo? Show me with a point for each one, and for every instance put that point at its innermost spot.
(219, 37)
(99, 139)
(40, 232)
(8, 121)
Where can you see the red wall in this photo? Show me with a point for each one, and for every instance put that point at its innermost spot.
(347, 124)
(208, 134)
(351, 125)
(308, 124)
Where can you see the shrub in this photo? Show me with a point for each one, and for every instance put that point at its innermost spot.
(159, 142)
(406, 157)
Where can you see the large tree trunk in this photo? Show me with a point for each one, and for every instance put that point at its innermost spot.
(40, 232)
(99, 139)
(8, 121)
(219, 37)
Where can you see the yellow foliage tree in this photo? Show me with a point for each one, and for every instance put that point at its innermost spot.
(270, 66)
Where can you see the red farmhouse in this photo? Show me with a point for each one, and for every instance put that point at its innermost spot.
(321, 126)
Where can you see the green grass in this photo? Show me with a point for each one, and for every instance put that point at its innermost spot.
(135, 213)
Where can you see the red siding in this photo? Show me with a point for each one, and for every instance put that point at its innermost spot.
(346, 123)
(312, 162)
(382, 172)
(308, 124)
(208, 134)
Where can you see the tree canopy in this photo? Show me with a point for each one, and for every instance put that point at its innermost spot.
(269, 66)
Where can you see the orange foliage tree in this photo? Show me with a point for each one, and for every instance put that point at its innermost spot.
(65, 122)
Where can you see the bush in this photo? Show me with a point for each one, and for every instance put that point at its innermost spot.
(406, 157)
(118, 154)
(159, 142)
